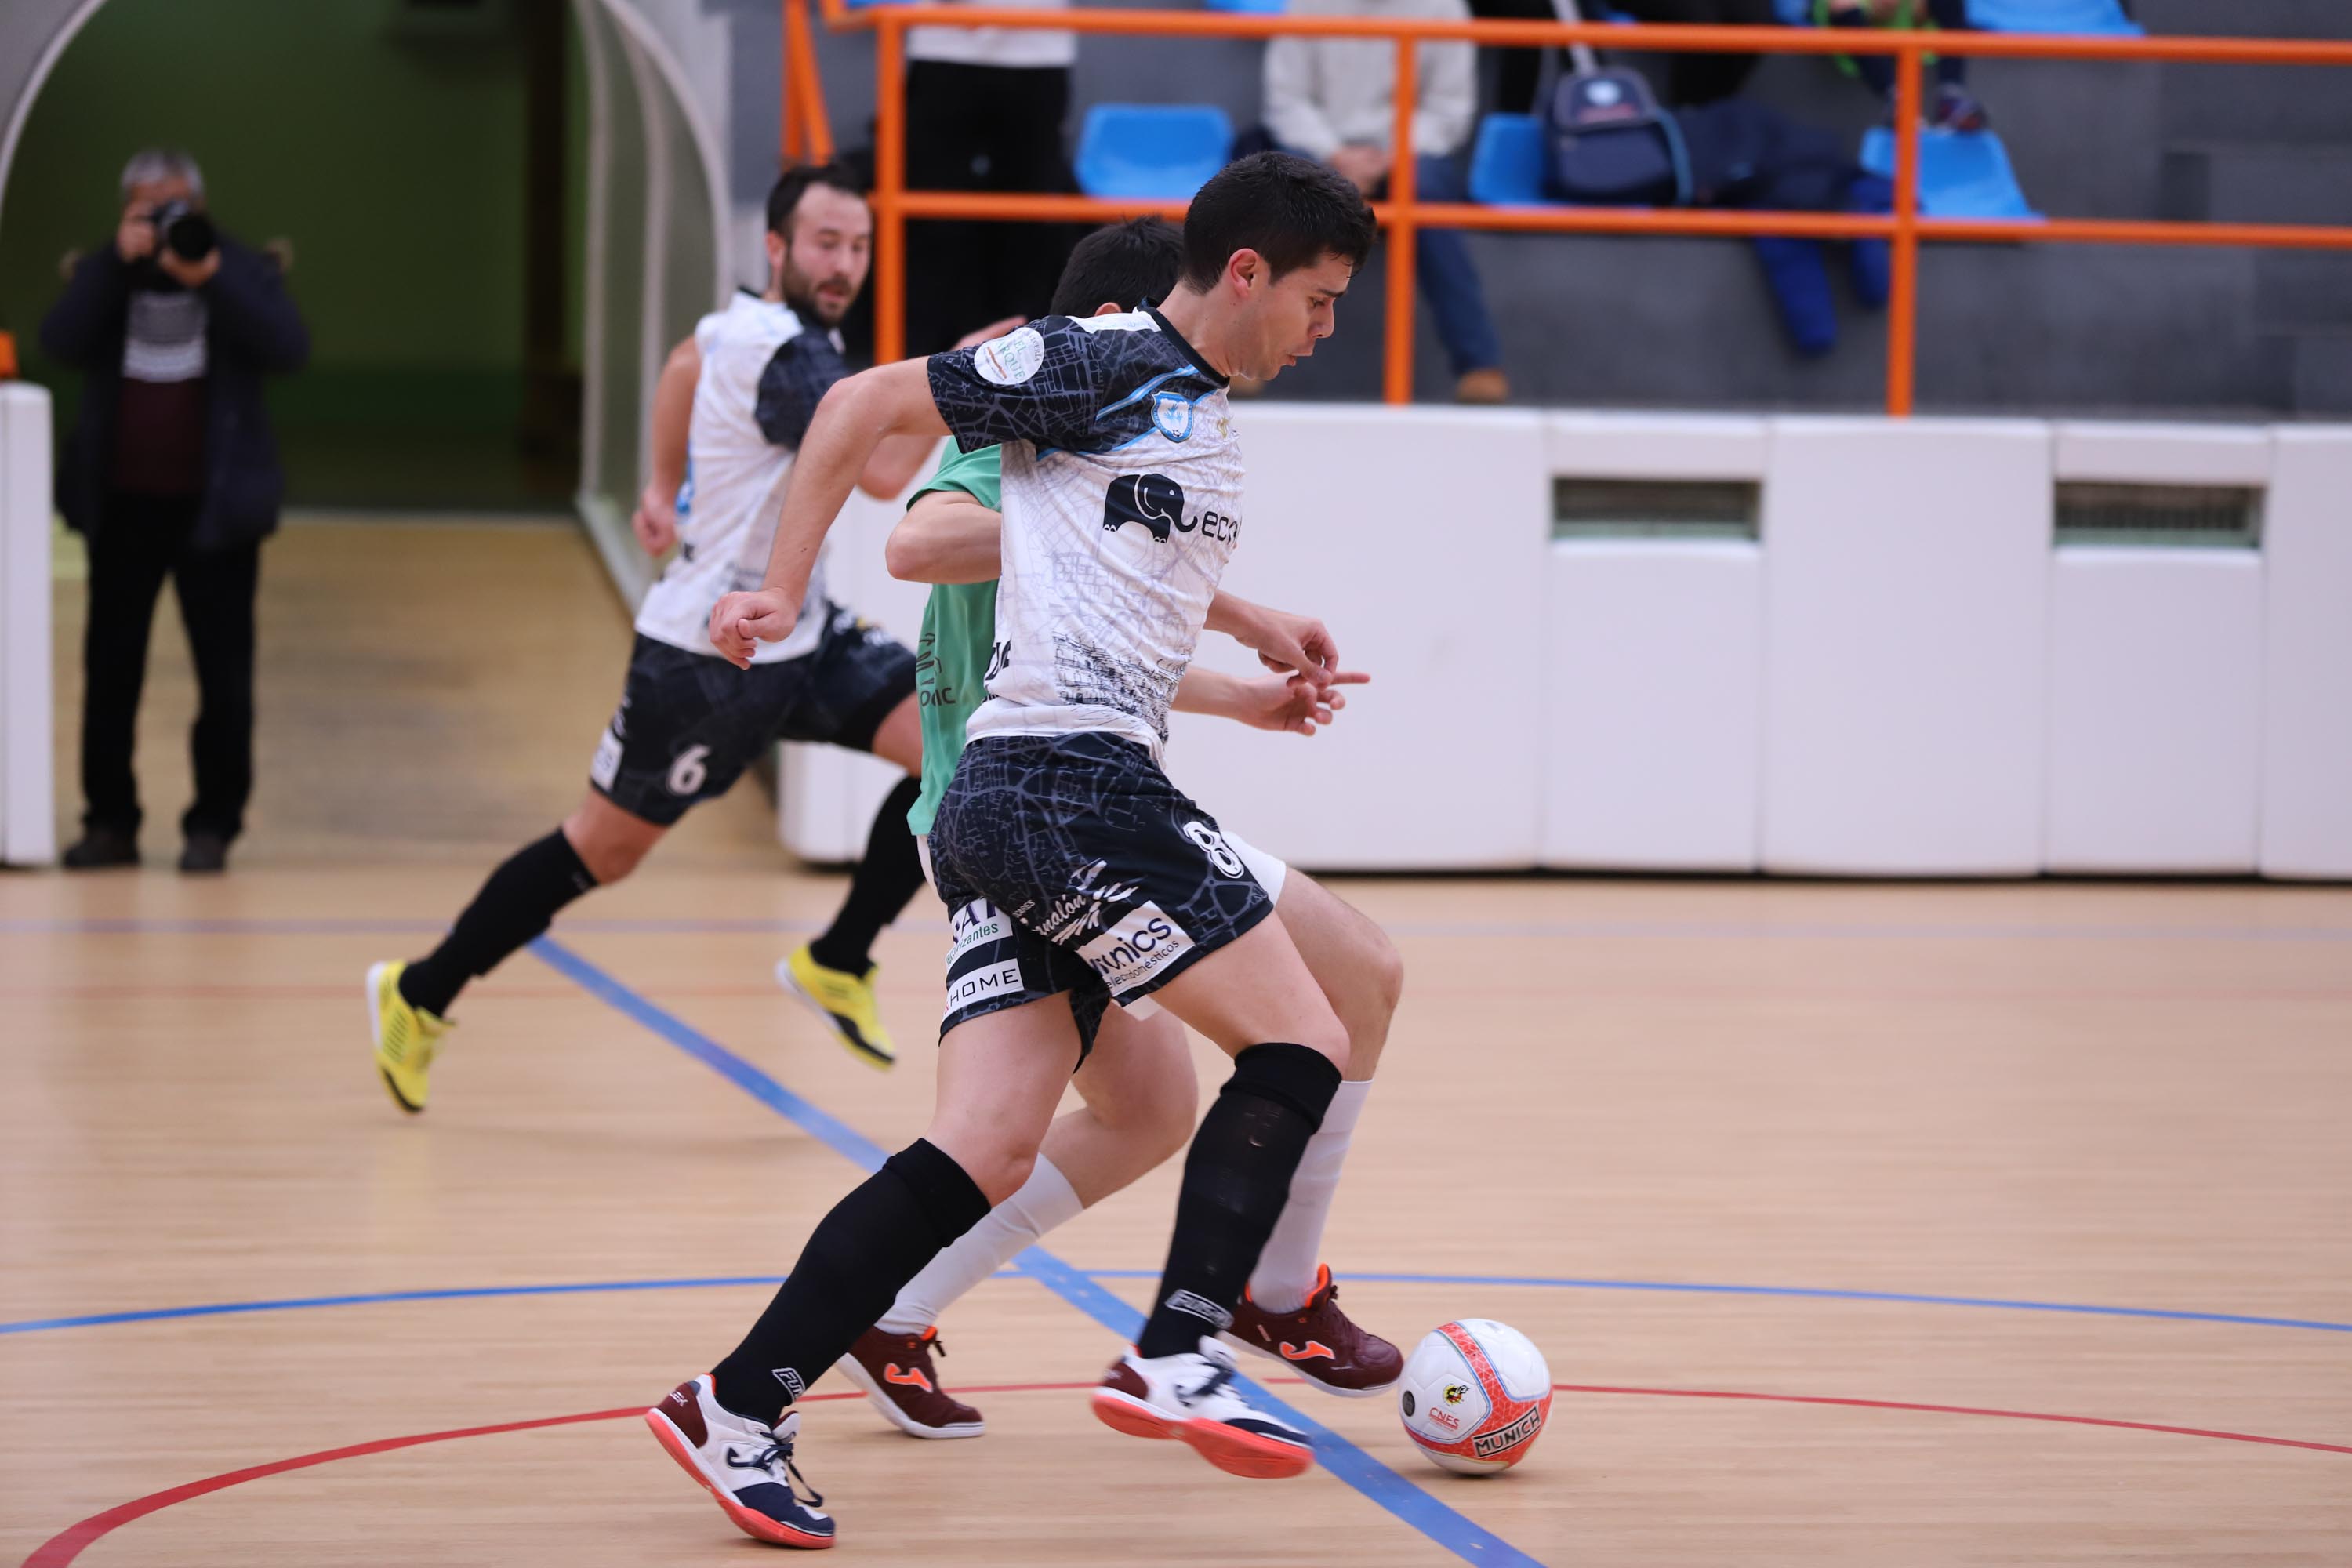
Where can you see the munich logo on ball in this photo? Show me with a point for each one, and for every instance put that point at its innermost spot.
(1485, 1444)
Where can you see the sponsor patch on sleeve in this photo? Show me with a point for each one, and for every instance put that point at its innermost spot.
(1012, 359)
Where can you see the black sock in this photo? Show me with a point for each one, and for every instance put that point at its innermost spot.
(514, 905)
(855, 1262)
(1236, 1180)
(883, 883)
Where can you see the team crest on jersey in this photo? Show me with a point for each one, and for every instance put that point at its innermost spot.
(1012, 359)
(1172, 416)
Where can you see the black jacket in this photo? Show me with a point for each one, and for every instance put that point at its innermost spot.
(252, 330)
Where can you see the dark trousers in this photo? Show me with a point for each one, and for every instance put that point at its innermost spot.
(982, 127)
(140, 542)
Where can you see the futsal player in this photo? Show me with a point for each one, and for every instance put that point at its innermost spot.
(1079, 874)
(1137, 1082)
(689, 723)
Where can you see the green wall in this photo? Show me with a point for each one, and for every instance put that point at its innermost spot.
(392, 160)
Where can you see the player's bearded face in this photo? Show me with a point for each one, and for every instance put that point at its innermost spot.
(1290, 314)
(823, 267)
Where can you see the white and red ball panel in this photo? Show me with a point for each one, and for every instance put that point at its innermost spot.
(1473, 1396)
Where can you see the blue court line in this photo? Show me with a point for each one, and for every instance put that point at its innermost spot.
(1022, 1268)
(1466, 1539)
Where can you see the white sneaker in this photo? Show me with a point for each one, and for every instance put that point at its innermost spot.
(748, 1467)
(1191, 1397)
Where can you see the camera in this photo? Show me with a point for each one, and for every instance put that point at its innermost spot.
(185, 232)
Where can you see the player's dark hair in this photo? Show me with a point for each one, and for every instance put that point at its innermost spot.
(1291, 211)
(785, 196)
(1120, 263)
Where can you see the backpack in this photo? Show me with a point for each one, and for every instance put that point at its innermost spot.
(1609, 144)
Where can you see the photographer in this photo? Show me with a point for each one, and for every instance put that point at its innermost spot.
(170, 470)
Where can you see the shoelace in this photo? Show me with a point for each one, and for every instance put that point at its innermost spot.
(1217, 1379)
(780, 1452)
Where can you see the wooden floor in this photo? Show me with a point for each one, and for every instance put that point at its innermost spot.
(1863, 1225)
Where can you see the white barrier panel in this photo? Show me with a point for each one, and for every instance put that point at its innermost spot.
(2307, 689)
(27, 799)
(1419, 536)
(827, 797)
(1653, 685)
(2156, 679)
(2119, 454)
(1906, 572)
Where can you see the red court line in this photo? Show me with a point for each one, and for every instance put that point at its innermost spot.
(1954, 1410)
(68, 1543)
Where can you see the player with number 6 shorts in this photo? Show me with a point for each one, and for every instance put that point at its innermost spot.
(1136, 1084)
(730, 409)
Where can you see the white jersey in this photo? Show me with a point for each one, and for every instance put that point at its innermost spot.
(763, 371)
(1122, 504)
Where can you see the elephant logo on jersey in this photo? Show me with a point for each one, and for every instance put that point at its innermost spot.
(1153, 500)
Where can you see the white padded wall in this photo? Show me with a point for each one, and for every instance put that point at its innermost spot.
(2156, 673)
(1907, 572)
(2307, 668)
(1419, 536)
(1653, 688)
(827, 797)
(27, 799)
(2148, 454)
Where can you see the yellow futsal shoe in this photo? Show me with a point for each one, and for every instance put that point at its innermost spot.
(846, 1001)
(405, 1038)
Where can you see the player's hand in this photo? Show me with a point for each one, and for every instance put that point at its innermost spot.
(741, 622)
(988, 333)
(1295, 704)
(1291, 645)
(655, 522)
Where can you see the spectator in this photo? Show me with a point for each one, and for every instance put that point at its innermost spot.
(170, 472)
(1334, 100)
(985, 107)
(1955, 108)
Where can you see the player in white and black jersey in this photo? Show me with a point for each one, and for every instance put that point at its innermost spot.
(731, 407)
(1061, 838)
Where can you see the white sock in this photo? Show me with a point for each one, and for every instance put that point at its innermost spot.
(1046, 1199)
(1285, 1269)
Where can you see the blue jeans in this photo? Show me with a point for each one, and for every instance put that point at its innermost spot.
(1449, 280)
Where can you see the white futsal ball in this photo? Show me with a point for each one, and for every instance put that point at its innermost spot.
(1474, 1396)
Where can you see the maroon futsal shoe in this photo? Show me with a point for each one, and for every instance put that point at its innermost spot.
(1320, 1343)
(899, 1381)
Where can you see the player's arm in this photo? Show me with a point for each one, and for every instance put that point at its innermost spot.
(946, 536)
(850, 423)
(656, 523)
(1036, 385)
(1285, 643)
(1290, 704)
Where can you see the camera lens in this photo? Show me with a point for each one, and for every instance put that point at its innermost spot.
(190, 236)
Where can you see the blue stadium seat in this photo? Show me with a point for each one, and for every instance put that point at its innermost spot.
(1794, 12)
(1507, 164)
(1960, 175)
(1163, 151)
(1257, 8)
(2052, 16)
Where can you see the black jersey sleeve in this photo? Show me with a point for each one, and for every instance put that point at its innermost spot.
(793, 383)
(1040, 383)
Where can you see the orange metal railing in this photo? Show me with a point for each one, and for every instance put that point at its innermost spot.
(1904, 228)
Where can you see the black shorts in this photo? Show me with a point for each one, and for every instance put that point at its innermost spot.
(689, 723)
(1069, 863)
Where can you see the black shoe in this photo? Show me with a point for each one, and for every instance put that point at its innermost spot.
(206, 852)
(101, 848)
